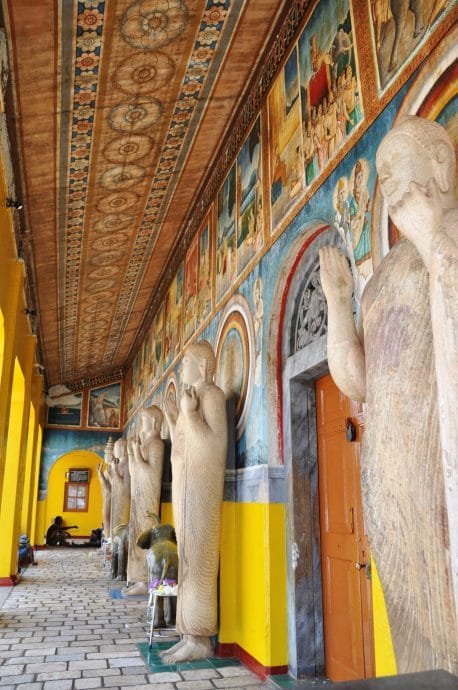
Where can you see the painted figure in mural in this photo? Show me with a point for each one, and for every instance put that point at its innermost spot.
(105, 485)
(258, 317)
(341, 52)
(331, 125)
(351, 99)
(400, 10)
(359, 206)
(310, 158)
(381, 15)
(320, 138)
(199, 448)
(146, 459)
(406, 371)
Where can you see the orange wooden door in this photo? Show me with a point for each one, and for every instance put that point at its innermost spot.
(344, 551)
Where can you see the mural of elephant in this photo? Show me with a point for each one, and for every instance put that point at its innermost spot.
(119, 552)
(399, 10)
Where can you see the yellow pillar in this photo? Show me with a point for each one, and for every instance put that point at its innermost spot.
(36, 468)
(31, 456)
(15, 450)
(11, 281)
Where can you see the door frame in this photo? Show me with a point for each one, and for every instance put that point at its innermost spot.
(298, 371)
(304, 588)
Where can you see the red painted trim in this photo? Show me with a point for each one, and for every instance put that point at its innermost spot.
(10, 581)
(232, 649)
(291, 273)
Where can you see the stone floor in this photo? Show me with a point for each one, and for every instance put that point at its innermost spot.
(60, 629)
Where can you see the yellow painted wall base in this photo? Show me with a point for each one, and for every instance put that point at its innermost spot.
(253, 586)
(252, 579)
(385, 660)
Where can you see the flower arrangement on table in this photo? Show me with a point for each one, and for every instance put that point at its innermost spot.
(166, 587)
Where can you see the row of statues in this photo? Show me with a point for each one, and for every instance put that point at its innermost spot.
(402, 362)
(131, 489)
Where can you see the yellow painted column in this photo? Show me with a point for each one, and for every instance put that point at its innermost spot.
(31, 457)
(11, 281)
(28, 469)
(15, 451)
(34, 516)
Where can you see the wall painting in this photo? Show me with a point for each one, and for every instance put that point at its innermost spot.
(104, 406)
(67, 411)
(226, 261)
(173, 318)
(330, 86)
(204, 292)
(157, 338)
(286, 157)
(190, 289)
(250, 226)
(399, 29)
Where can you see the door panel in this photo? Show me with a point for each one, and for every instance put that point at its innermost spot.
(347, 624)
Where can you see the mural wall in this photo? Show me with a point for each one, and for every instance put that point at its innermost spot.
(307, 157)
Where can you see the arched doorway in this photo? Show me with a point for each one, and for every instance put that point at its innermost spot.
(86, 514)
(329, 595)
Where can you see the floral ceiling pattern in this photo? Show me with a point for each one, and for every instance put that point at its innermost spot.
(131, 101)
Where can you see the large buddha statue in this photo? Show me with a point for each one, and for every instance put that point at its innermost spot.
(403, 363)
(105, 485)
(120, 486)
(199, 447)
(146, 458)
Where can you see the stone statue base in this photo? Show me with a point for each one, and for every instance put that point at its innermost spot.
(190, 648)
(136, 588)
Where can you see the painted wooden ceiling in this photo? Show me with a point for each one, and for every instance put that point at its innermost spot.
(119, 108)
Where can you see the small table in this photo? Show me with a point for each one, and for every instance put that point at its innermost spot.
(150, 613)
(106, 552)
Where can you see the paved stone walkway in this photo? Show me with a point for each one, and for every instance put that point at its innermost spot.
(61, 630)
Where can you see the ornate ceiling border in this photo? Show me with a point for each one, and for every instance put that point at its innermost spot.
(286, 32)
(83, 59)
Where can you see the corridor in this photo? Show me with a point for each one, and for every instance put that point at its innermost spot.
(60, 629)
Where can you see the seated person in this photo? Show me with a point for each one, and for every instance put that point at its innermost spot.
(57, 532)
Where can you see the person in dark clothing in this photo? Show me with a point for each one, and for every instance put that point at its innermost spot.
(56, 533)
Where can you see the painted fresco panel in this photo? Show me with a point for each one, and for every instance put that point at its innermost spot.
(330, 86)
(173, 318)
(352, 219)
(203, 307)
(287, 178)
(68, 413)
(345, 201)
(399, 29)
(190, 291)
(250, 226)
(129, 393)
(137, 380)
(157, 344)
(104, 406)
(226, 261)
